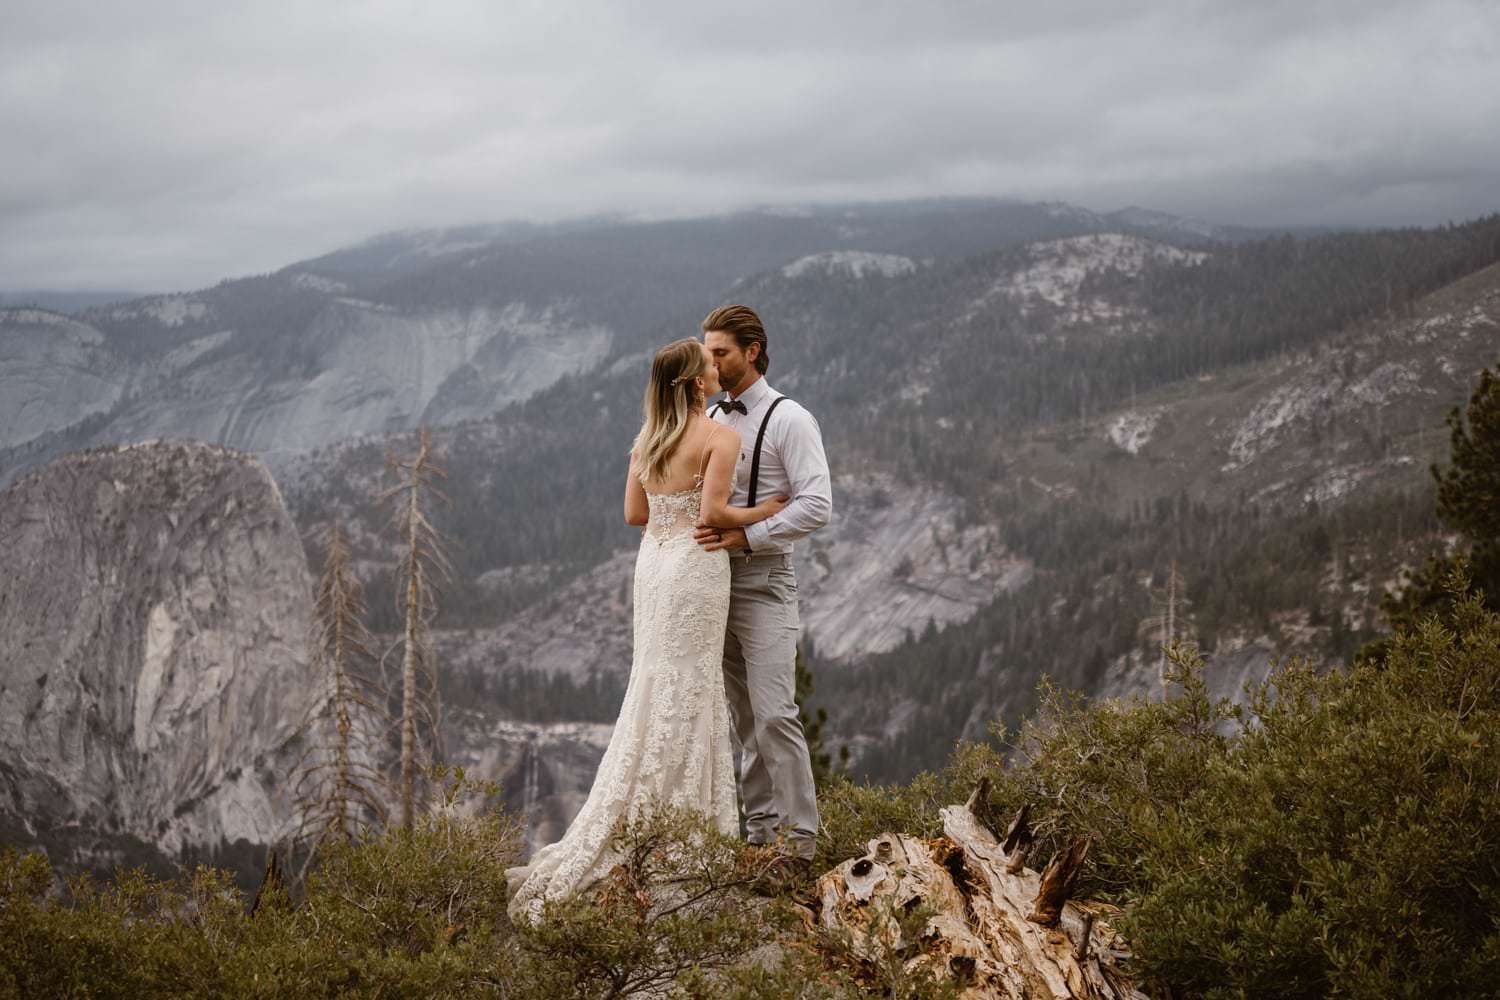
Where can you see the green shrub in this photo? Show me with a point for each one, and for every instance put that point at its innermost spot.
(1114, 770)
(407, 914)
(1337, 836)
(853, 813)
(419, 913)
(677, 902)
(1347, 844)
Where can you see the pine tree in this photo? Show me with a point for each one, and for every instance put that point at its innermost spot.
(1469, 503)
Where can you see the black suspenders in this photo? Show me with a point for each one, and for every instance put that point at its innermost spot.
(759, 440)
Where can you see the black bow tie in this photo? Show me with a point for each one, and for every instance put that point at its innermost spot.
(733, 406)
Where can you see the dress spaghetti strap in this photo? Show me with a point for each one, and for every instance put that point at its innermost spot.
(703, 455)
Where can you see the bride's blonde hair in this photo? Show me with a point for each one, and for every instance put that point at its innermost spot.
(670, 394)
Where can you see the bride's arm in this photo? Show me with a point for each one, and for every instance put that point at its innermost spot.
(717, 513)
(637, 509)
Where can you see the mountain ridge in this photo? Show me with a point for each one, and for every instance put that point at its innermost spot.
(1026, 439)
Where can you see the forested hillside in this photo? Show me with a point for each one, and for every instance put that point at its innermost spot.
(1259, 414)
(433, 327)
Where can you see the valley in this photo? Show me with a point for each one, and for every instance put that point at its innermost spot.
(1044, 426)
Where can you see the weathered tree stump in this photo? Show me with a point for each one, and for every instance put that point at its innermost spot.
(271, 883)
(1057, 883)
(983, 927)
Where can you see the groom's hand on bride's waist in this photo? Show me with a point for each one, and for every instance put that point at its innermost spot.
(714, 539)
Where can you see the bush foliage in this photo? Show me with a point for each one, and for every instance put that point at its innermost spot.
(422, 913)
(1345, 843)
(1336, 836)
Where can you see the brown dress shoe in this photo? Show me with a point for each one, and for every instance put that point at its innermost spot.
(783, 875)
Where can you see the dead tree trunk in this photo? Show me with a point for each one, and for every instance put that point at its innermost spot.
(984, 929)
(422, 560)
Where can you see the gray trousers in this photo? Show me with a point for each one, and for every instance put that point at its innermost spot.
(760, 649)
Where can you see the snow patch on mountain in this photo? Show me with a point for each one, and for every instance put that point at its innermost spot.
(855, 262)
(365, 304)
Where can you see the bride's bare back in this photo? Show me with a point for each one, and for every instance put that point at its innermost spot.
(706, 457)
(689, 466)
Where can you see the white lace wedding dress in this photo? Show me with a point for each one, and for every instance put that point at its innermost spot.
(671, 742)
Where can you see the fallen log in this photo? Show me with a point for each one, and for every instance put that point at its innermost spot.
(1003, 933)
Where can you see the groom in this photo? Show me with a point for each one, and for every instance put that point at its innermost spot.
(781, 454)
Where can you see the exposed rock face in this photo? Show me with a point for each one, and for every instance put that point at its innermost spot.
(1054, 271)
(54, 371)
(854, 262)
(153, 664)
(544, 771)
(1228, 671)
(894, 559)
(368, 369)
(1322, 391)
(1131, 431)
(585, 626)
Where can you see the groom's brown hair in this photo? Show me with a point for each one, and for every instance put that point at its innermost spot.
(741, 323)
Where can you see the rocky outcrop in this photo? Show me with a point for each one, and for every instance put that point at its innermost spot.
(855, 263)
(894, 559)
(153, 664)
(1317, 394)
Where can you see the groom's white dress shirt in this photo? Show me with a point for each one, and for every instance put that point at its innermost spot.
(792, 463)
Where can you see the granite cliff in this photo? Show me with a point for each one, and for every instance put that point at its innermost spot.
(194, 370)
(153, 665)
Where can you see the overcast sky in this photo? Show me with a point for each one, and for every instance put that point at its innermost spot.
(155, 146)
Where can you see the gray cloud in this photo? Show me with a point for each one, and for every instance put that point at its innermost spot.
(165, 145)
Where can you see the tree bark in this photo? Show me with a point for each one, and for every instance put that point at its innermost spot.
(978, 931)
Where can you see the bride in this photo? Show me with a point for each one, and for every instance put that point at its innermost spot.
(671, 742)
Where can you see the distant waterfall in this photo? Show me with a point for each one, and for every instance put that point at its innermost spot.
(530, 777)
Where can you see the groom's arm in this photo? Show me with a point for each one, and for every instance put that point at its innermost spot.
(800, 447)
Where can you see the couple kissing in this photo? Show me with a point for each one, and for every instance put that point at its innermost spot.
(721, 493)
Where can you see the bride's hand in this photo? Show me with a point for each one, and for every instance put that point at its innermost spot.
(771, 507)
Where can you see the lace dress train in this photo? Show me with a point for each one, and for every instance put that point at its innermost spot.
(671, 743)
